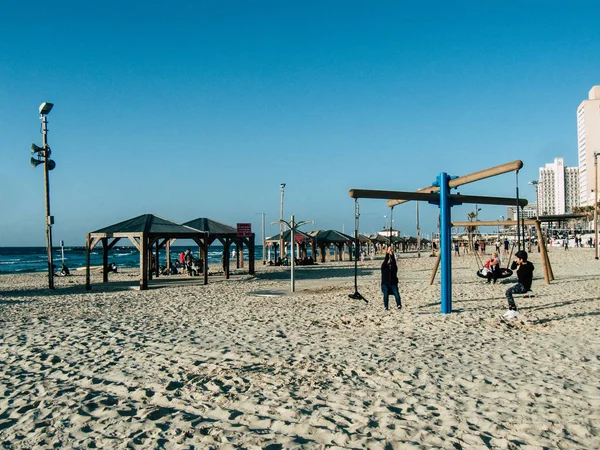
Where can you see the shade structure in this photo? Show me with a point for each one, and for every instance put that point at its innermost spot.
(226, 235)
(325, 238)
(144, 232)
(303, 241)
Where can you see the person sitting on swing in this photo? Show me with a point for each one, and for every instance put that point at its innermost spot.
(525, 277)
(493, 266)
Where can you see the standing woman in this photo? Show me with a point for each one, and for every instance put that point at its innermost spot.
(389, 279)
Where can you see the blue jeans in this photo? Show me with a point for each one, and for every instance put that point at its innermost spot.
(516, 289)
(391, 289)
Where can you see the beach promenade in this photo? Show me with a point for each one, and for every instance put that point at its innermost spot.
(183, 365)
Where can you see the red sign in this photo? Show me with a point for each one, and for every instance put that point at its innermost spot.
(298, 238)
(244, 229)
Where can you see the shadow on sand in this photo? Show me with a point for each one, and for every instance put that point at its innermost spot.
(316, 273)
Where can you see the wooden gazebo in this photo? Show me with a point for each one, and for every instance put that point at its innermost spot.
(145, 232)
(325, 238)
(226, 235)
(302, 239)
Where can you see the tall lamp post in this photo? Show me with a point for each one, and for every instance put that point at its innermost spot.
(281, 255)
(42, 156)
(596, 202)
(537, 200)
(264, 250)
(418, 233)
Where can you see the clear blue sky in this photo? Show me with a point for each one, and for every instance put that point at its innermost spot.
(189, 109)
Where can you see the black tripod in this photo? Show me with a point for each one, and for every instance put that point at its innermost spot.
(356, 295)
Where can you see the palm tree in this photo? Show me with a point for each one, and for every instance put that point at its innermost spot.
(469, 229)
(587, 210)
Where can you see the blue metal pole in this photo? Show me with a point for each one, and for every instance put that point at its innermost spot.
(445, 244)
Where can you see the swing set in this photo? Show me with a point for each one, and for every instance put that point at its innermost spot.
(439, 193)
(547, 268)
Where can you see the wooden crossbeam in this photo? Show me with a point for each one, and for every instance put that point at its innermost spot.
(435, 196)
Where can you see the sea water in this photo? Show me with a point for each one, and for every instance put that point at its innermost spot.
(35, 259)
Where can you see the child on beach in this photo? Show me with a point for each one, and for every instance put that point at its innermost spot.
(525, 276)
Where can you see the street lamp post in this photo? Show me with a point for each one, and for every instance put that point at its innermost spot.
(293, 226)
(537, 201)
(281, 187)
(264, 250)
(418, 233)
(43, 157)
(596, 202)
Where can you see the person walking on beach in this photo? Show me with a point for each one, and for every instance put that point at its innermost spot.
(389, 279)
(525, 276)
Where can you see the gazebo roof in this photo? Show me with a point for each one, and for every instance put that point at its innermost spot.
(211, 226)
(363, 238)
(331, 236)
(286, 236)
(380, 238)
(149, 224)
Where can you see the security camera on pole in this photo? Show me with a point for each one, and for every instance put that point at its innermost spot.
(42, 156)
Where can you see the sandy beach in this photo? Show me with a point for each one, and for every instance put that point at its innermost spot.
(183, 365)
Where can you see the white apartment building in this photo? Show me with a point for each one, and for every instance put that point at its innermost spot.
(528, 212)
(558, 188)
(588, 142)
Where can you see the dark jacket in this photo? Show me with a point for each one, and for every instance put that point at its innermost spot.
(389, 272)
(525, 274)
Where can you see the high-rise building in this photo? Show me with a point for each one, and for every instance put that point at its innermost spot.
(558, 188)
(588, 142)
(529, 211)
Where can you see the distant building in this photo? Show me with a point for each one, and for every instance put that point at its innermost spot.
(558, 188)
(588, 142)
(387, 233)
(529, 212)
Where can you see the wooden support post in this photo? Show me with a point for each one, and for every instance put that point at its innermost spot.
(241, 253)
(543, 252)
(149, 260)
(168, 250)
(226, 262)
(105, 260)
(251, 270)
(143, 262)
(156, 261)
(88, 242)
(435, 268)
(205, 258)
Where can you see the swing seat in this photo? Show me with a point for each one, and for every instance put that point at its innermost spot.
(504, 273)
